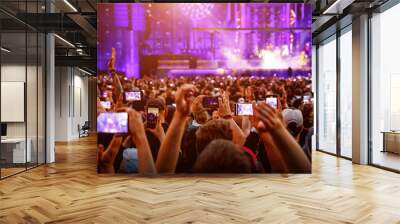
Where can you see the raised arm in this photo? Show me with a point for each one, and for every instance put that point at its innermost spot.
(225, 112)
(106, 158)
(278, 164)
(168, 154)
(294, 157)
(118, 90)
(137, 133)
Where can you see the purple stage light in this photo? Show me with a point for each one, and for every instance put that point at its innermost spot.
(152, 38)
(197, 11)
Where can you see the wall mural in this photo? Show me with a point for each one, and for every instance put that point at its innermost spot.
(204, 88)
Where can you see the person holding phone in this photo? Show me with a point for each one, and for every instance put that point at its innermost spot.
(225, 112)
(136, 132)
(169, 150)
(272, 130)
(155, 124)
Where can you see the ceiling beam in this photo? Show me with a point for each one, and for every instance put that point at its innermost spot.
(81, 61)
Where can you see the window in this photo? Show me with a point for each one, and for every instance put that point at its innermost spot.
(327, 96)
(22, 107)
(346, 93)
(385, 89)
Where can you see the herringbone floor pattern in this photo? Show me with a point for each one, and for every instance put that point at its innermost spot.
(70, 191)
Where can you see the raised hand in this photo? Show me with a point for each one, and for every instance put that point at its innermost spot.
(118, 89)
(111, 61)
(158, 131)
(224, 107)
(272, 131)
(197, 103)
(169, 150)
(268, 118)
(136, 126)
(184, 99)
(106, 158)
(138, 136)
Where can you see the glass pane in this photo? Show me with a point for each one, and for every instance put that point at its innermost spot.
(13, 84)
(346, 94)
(314, 87)
(31, 97)
(386, 89)
(41, 99)
(327, 97)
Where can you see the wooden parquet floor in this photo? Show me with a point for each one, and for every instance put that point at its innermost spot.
(70, 191)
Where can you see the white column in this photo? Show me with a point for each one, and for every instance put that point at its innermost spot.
(360, 90)
(50, 99)
(314, 90)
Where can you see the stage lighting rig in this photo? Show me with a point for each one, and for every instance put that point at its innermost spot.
(197, 11)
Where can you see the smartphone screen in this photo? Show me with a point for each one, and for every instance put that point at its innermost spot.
(306, 99)
(151, 117)
(210, 102)
(112, 122)
(272, 101)
(104, 94)
(133, 96)
(244, 109)
(106, 104)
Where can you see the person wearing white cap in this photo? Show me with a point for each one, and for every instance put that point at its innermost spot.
(293, 119)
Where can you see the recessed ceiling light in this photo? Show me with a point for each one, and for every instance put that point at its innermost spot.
(5, 50)
(70, 5)
(64, 40)
(84, 71)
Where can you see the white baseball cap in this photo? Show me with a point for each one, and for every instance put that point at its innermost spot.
(292, 115)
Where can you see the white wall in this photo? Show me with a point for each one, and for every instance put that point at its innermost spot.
(81, 102)
(71, 102)
(33, 127)
(16, 73)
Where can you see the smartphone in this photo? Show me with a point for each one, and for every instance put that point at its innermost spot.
(306, 99)
(133, 96)
(272, 101)
(151, 117)
(104, 94)
(112, 122)
(210, 102)
(106, 104)
(244, 109)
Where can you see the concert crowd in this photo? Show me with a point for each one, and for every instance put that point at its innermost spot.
(231, 123)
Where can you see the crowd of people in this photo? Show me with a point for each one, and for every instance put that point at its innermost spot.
(197, 129)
